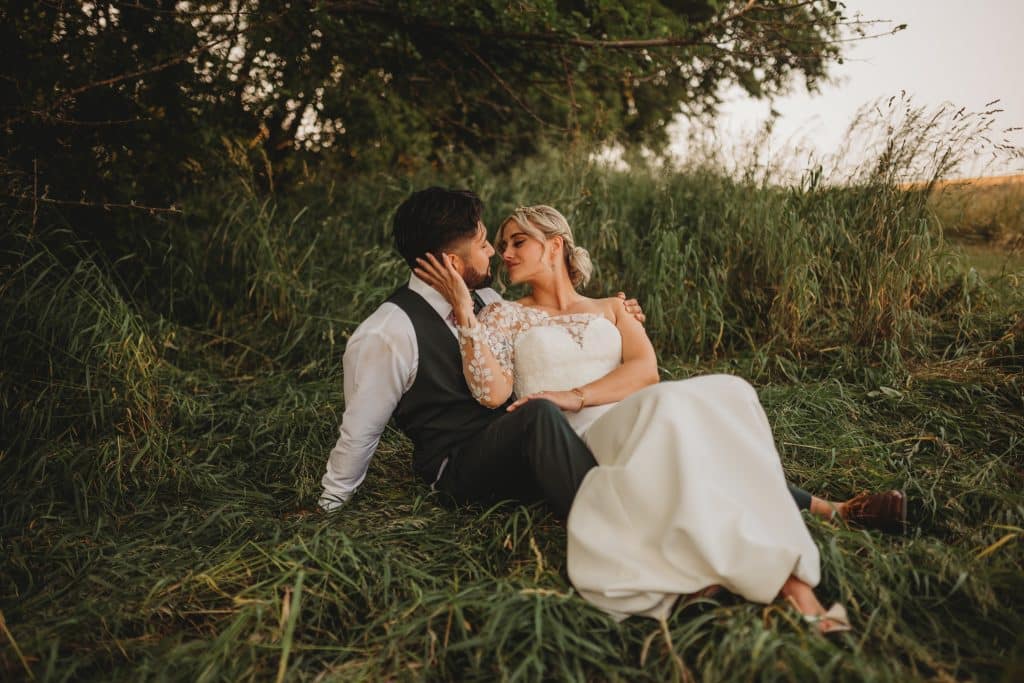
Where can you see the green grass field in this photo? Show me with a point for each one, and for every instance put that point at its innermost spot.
(172, 385)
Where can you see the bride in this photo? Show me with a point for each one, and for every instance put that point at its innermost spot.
(689, 493)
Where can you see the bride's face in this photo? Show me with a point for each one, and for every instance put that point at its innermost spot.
(524, 256)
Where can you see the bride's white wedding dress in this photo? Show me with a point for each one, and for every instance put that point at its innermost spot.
(689, 491)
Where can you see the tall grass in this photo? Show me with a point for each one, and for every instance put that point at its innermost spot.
(169, 399)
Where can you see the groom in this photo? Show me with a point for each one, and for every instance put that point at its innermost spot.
(403, 362)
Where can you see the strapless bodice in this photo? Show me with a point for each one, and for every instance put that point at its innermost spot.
(567, 352)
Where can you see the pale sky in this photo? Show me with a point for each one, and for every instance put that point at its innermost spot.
(965, 52)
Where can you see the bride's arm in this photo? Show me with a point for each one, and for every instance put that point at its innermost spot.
(485, 343)
(639, 369)
(639, 366)
(487, 357)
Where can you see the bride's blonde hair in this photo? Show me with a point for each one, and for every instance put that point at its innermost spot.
(543, 222)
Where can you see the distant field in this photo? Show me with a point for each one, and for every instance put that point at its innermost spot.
(985, 217)
(987, 181)
(995, 261)
(983, 181)
(983, 209)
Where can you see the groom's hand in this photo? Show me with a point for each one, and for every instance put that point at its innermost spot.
(633, 307)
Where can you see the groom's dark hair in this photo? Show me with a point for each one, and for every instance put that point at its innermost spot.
(431, 219)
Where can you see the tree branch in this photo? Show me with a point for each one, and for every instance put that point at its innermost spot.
(698, 39)
(93, 205)
(371, 9)
(131, 75)
(505, 86)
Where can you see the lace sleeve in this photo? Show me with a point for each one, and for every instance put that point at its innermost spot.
(487, 356)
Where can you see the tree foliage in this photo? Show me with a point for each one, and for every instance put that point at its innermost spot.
(118, 101)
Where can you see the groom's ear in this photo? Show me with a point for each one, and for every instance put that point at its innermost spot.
(457, 261)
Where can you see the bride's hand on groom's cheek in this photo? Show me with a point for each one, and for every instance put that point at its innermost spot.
(566, 400)
(443, 277)
(633, 308)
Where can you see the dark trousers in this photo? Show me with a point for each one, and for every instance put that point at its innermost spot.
(529, 455)
(802, 498)
(526, 455)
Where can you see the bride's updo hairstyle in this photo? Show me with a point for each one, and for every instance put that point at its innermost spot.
(543, 222)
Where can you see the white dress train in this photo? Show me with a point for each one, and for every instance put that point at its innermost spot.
(689, 491)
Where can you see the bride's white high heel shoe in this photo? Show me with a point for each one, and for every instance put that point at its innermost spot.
(834, 620)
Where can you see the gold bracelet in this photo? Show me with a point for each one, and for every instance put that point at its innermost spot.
(579, 392)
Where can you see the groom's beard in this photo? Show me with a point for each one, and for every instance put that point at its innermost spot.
(475, 279)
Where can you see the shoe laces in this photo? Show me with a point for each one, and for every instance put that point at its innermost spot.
(855, 506)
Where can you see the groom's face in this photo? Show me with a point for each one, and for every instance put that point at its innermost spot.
(475, 253)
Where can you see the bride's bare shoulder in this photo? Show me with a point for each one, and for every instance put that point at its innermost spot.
(610, 306)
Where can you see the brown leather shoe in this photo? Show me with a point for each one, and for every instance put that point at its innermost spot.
(883, 511)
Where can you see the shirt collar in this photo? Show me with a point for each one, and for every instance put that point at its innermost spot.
(430, 295)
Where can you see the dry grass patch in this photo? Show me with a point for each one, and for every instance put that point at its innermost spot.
(983, 210)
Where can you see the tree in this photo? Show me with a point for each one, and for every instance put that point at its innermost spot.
(118, 101)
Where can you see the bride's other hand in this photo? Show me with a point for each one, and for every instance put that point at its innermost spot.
(566, 400)
(633, 308)
(442, 276)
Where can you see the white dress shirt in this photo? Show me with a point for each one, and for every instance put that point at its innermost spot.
(379, 366)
